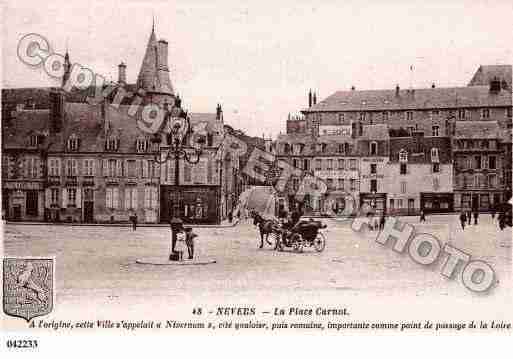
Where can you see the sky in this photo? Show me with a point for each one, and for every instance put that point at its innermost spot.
(259, 59)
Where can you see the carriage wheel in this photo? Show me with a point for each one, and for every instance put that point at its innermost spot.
(320, 242)
(298, 243)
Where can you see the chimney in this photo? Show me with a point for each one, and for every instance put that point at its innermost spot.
(122, 73)
(495, 85)
(397, 88)
(56, 110)
(310, 99)
(315, 98)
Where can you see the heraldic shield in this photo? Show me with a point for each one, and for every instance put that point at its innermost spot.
(28, 287)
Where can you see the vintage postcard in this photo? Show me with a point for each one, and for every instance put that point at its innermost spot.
(243, 167)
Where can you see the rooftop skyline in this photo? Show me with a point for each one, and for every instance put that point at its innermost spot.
(259, 61)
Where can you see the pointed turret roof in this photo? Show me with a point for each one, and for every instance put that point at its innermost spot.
(154, 73)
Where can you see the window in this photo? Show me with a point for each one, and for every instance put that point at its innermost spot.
(306, 165)
(352, 164)
(492, 180)
(492, 162)
(341, 164)
(384, 115)
(295, 163)
(54, 196)
(461, 114)
(436, 131)
(71, 165)
(436, 184)
(476, 181)
(374, 185)
(409, 115)
(341, 184)
(131, 169)
(362, 116)
(329, 183)
(352, 184)
(34, 140)
(131, 197)
(373, 148)
(73, 143)
(436, 167)
(88, 167)
(477, 162)
(392, 203)
(508, 111)
(112, 144)
(373, 168)
(403, 156)
(340, 148)
(295, 184)
(435, 113)
(72, 197)
(330, 164)
(112, 168)
(54, 168)
(32, 167)
(410, 130)
(403, 169)
(399, 203)
(323, 147)
(318, 164)
(340, 118)
(142, 145)
(403, 187)
(31, 203)
(187, 172)
(485, 113)
(435, 155)
(112, 197)
(150, 197)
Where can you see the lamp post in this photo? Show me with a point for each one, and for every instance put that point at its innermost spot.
(181, 145)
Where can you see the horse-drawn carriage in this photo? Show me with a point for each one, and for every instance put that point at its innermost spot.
(281, 235)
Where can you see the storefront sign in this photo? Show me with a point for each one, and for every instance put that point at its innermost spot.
(23, 185)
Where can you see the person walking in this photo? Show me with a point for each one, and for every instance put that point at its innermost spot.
(476, 216)
(133, 219)
(230, 217)
(493, 212)
(463, 219)
(422, 216)
(382, 222)
(189, 241)
(502, 220)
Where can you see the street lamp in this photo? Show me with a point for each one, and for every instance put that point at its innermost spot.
(181, 145)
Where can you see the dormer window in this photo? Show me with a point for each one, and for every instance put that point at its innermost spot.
(73, 143)
(112, 144)
(142, 145)
(34, 140)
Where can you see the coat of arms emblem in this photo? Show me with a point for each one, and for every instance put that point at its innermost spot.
(28, 287)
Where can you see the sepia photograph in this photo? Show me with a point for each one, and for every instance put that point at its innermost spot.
(323, 168)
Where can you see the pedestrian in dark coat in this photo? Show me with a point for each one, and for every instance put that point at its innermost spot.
(133, 219)
(463, 219)
(469, 217)
(189, 241)
(382, 222)
(476, 216)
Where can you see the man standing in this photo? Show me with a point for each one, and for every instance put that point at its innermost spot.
(476, 215)
(463, 219)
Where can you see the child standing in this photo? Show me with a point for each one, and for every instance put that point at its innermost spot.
(189, 241)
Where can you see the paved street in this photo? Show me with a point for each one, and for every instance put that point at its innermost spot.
(96, 269)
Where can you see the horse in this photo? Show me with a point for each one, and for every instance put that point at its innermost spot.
(265, 226)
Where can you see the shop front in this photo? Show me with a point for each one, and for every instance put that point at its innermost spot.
(192, 204)
(378, 201)
(24, 200)
(436, 202)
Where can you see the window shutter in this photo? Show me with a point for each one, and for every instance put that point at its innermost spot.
(79, 198)
(48, 198)
(134, 198)
(108, 197)
(127, 198)
(115, 197)
(64, 198)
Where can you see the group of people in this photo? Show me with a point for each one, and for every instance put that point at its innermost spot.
(185, 241)
(466, 217)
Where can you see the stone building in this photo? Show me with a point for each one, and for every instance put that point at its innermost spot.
(89, 156)
(419, 175)
(479, 161)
